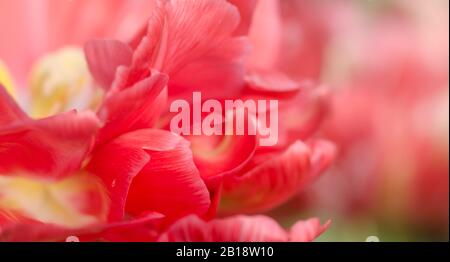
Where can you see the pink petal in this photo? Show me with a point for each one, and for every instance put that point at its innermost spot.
(266, 34)
(30, 230)
(233, 229)
(116, 164)
(307, 231)
(324, 154)
(276, 178)
(202, 43)
(239, 229)
(220, 155)
(141, 229)
(246, 8)
(220, 77)
(302, 115)
(290, 36)
(302, 112)
(228, 154)
(51, 146)
(104, 57)
(170, 183)
(268, 184)
(136, 107)
(306, 34)
(272, 82)
(217, 156)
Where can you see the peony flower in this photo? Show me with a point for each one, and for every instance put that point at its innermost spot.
(155, 181)
(159, 48)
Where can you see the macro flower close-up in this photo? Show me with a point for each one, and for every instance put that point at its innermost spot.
(223, 120)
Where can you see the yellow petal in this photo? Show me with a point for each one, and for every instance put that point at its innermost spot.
(6, 80)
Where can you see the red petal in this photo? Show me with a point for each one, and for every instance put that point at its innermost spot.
(221, 77)
(217, 156)
(117, 164)
(52, 146)
(301, 113)
(202, 42)
(104, 57)
(238, 229)
(170, 183)
(276, 178)
(29, 230)
(142, 229)
(133, 108)
(268, 184)
(216, 194)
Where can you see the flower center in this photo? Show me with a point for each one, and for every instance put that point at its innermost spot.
(60, 82)
(73, 202)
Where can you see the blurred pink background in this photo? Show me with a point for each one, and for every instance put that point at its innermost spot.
(387, 63)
